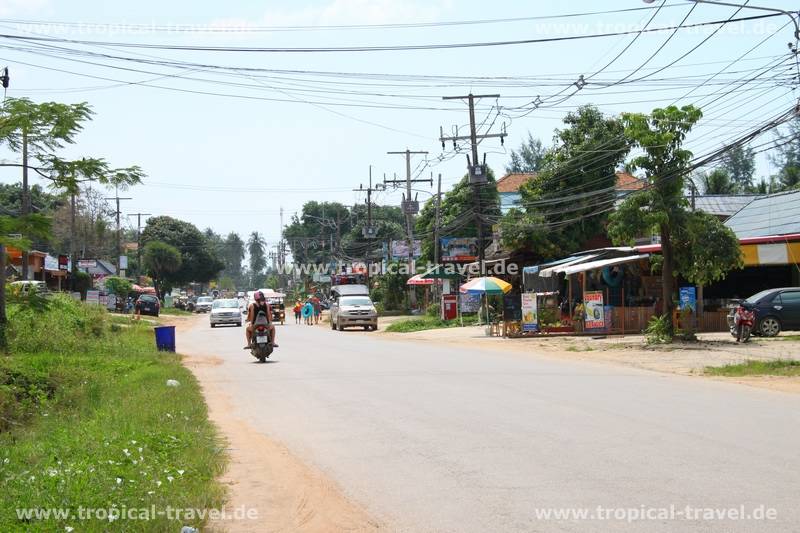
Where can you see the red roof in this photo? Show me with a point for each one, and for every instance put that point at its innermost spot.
(513, 181)
(628, 182)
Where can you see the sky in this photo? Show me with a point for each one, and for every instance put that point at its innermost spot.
(227, 149)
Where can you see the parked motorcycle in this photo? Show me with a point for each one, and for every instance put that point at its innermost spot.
(261, 340)
(743, 320)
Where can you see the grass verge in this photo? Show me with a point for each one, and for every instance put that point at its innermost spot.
(756, 368)
(428, 322)
(175, 312)
(95, 426)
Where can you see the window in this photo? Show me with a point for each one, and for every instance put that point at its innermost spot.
(791, 298)
(754, 299)
(355, 300)
(225, 304)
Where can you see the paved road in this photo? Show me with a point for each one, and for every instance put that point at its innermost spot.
(436, 438)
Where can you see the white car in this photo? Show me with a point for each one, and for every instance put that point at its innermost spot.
(203, 304)
(225, 312)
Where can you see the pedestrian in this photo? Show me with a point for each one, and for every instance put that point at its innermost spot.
(298, 308)
(308, 313)
(137, 307)
(317, 305)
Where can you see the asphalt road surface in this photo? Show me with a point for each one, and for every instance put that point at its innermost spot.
(440, 438)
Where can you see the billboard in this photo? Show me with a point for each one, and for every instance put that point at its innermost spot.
(399, 250)
(530, 314)
(459, 249)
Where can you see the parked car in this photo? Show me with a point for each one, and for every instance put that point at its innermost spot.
(225, 311)
(203, 304)
(775, 310)
(28, 288)
(358, 310)
(148, 305)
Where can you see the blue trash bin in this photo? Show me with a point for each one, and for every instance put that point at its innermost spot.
(165, 338)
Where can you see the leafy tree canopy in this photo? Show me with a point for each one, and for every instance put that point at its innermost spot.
(199, 263)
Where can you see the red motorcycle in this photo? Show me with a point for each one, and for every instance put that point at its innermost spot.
(743, 320)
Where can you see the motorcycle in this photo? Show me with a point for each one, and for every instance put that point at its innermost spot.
(743, 320)
(261, 340)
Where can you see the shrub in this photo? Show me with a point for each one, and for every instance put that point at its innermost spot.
(433, 310)
(657, 331)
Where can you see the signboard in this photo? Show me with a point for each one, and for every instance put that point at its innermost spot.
(399, 249)
(459, 249)
(64, 263)
(50, 262)
(530, 313)
(93, 297)
(87, 263)
(470, 303)
(687, 299)
(593, 304)
(123, 262)
(511, 307)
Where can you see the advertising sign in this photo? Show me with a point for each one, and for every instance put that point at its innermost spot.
(530, 313)
(459, 249)
(50, 262)
(93, 297)
(64, 263)
(400, 250)
(123, 262)
(687, 299)
(593, 304)
(87, 263)
(470, 303)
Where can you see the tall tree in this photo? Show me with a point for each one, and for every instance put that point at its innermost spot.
(693, 244)
(315, 236)
(199, 263)
(567, 202)
(718, 181)
(232, 257)
(256, 249)
(740, 164)
(528, 158)
(161, 262)
(787, 157)
(457, 213)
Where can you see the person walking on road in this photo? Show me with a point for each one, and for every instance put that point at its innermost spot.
(308, 313)
(298, 308)
(317, 305)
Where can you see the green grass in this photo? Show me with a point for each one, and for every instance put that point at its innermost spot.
(757, 368)
(421, 323)
(96, 426)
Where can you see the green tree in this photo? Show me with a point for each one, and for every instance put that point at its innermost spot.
(161, 261)
(118, 286)
(457, 213)
(256, 249)
(693, 245)
(740, 164)
(787, 157)
(528, 158)
(199, 263)
(567, 202)
(232, 257)
(42, 202)
(315, 236)
(718, 181)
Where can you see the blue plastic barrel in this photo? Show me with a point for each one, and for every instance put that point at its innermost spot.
(165, 338)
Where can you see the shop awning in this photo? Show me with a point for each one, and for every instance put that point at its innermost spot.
(536, 268)
(547, 272)
(602, 263)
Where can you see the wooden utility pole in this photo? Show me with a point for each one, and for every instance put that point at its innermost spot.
(410, 208)
(369, 231)
(139, 240)
(477, 172)
(119, 234)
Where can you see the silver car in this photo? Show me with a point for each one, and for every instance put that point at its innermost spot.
(347, 311)
(225, 312)
(203, 304)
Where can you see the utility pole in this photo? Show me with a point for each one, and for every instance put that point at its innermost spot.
(119, 234)
(369, 231)
(436, 223)
(26, 196)
(477, 172)
(410, 208)
(281, 256)
(139, 240)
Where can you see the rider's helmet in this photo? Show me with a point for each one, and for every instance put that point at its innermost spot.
(258, 296)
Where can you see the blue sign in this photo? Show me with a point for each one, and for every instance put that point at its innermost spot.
(687, 298)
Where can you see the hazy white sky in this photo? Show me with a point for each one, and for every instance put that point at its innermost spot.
(231, 159)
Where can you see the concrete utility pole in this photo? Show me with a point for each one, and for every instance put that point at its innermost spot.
(119, 234)
(410, 208)
(477, 172)
(139, 240)
(26, 196)
(436, 224)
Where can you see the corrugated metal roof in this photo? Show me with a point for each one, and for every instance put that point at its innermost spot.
(776, 214)
(722, 204)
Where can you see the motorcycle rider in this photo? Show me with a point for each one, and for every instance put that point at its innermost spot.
(259, 304)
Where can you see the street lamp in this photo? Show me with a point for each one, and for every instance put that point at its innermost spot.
(741, 6)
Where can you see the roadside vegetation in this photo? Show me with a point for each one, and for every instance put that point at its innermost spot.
(756, 368)
(172, 311)
(428, 322)
(87, 419)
